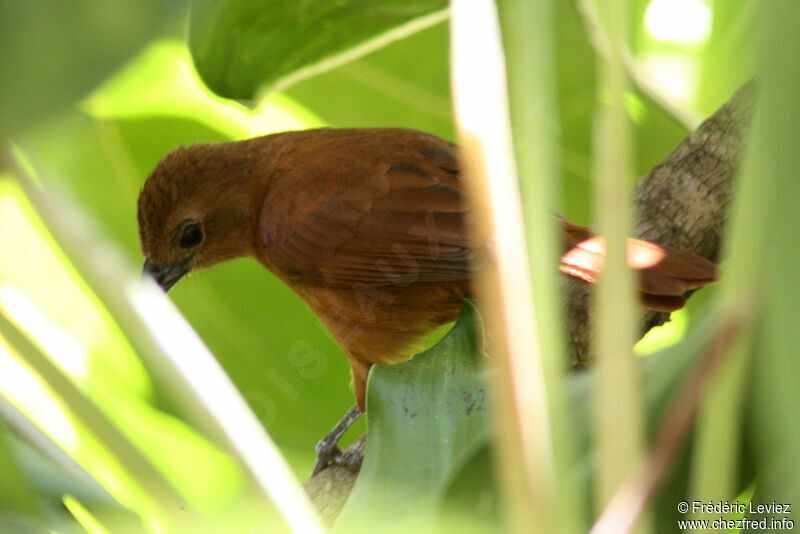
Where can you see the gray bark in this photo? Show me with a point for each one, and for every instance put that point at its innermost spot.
(682, 203)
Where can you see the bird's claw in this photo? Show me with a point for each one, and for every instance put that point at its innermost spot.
(328, 451)
(326, 455)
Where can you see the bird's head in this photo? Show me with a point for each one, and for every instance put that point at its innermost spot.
(194, 211)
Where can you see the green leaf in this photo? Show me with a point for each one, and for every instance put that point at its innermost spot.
(388, 87)
(240, 46)
(427, 418)
(425, 456)
(766, 251)
(656, 131)
(15, 492)
(54, 53)
(731, 57)
(90, 414)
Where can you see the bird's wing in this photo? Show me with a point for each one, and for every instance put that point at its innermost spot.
(393, 223)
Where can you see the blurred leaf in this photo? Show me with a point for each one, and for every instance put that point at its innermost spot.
(53, 304)
(101, 363)
(97, 426)
(15, 493)
(427, 417)
(183, 368)
(766, 252)
(55, 52)
(731, 57)
(388, 87)
(162, 82)
(240, 46)
(49, 469)
(656, 131)
(83, 516)
(52, 474)
(528, 35)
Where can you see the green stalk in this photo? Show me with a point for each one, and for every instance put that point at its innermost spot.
(519, 395)
(716, 459)
(762, 277)
(528, 36)
(618, 416)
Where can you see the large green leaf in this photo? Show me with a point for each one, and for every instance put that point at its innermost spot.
(240, 46)
(427, 417)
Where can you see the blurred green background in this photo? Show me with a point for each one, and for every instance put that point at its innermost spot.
(94, 96)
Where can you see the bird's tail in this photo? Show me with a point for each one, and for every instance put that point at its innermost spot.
(665, 273)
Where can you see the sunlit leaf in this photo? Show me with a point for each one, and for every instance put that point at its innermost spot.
(162, 82)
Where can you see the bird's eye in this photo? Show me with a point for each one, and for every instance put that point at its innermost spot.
(191, 236)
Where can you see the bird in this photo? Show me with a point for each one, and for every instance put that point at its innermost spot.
(369, 226)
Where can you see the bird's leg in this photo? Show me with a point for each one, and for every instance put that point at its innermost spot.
(328, 451)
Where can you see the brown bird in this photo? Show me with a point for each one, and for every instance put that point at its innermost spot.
(367, 226)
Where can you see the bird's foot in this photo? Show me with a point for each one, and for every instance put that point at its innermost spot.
(328, 451)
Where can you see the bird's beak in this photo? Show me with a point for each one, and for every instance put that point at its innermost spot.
(166, 276)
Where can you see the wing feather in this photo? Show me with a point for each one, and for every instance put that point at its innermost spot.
(665, 273)
(399, 223)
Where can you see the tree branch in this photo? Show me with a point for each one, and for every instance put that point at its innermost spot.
(683, 203)
(330, 488)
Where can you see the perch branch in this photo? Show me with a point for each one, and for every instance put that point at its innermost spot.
(330, 488)
(682, 203)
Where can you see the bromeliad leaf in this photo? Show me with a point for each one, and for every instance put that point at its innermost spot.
(427, 418)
